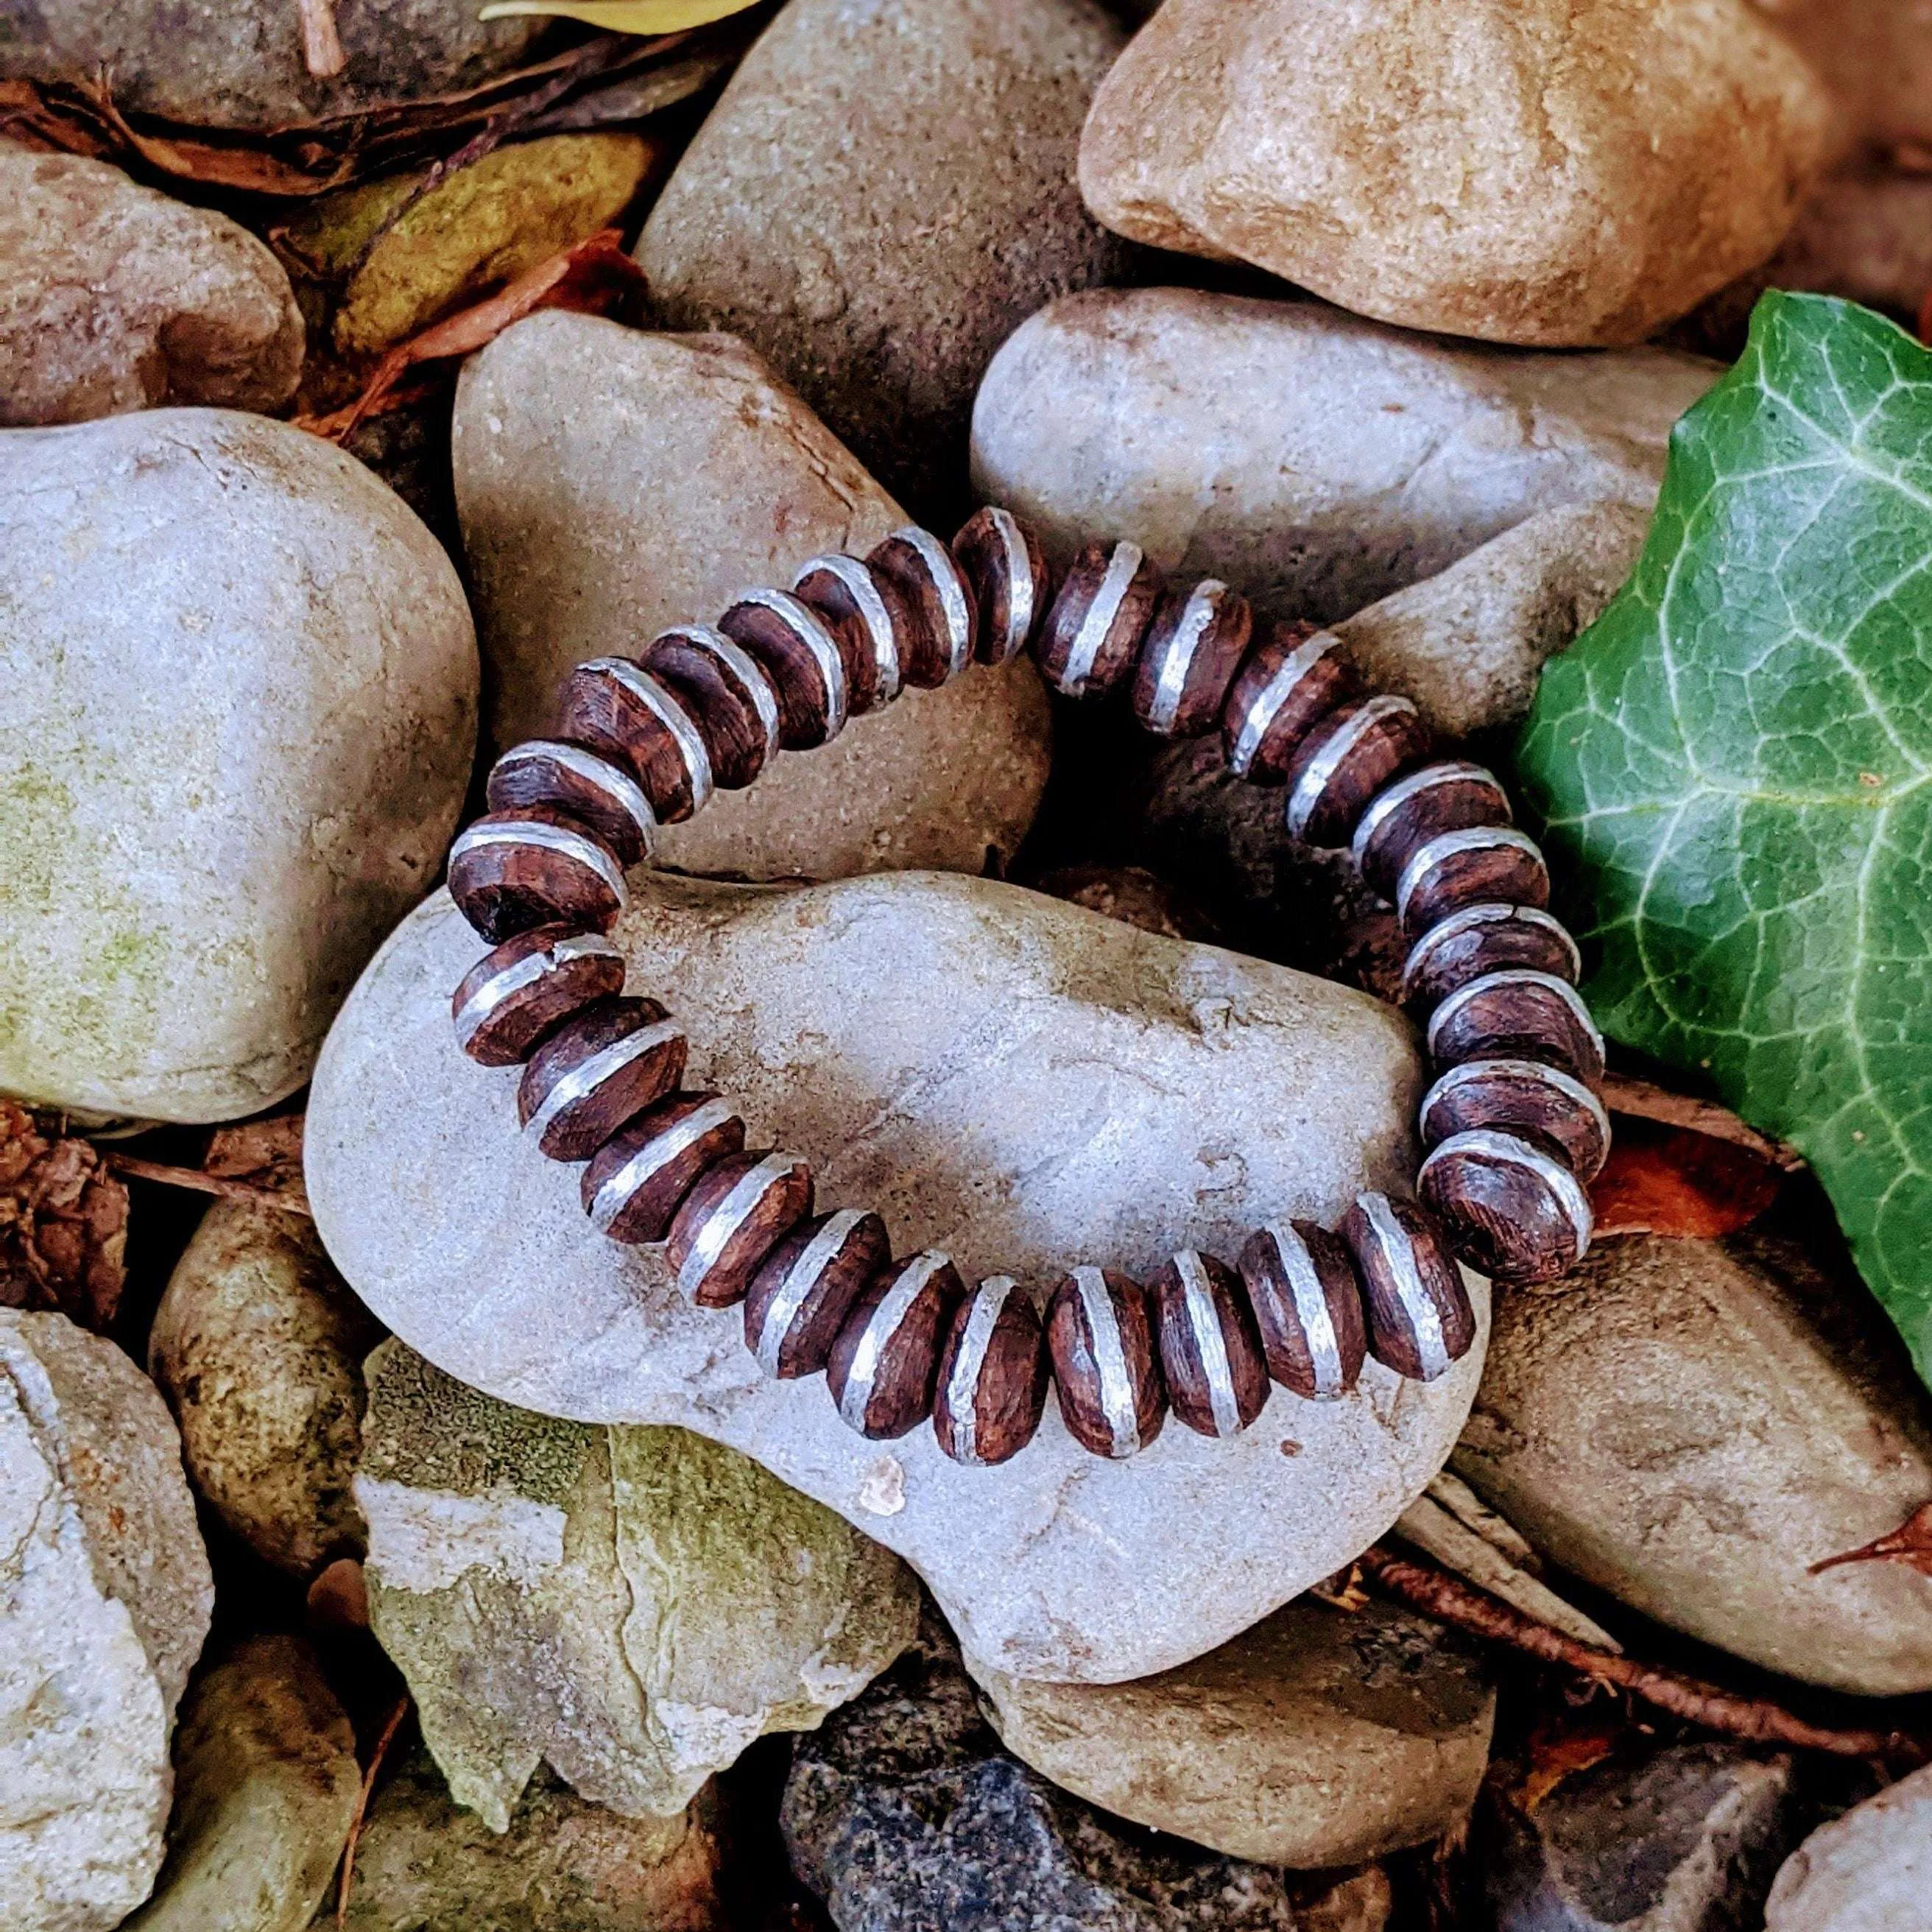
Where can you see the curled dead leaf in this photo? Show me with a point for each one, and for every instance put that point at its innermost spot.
(1910, 1543)
(1555, 1754)
(1678, 1182)
(63, 1224)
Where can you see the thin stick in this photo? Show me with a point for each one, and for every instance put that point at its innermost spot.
(322, 45)
(138, 1169)
(1452, 1601)
(376, 1758)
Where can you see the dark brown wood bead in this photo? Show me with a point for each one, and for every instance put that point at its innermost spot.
(1210, 1350)
(1488, 865)
(1106, 1364)
(805, 1287)
(884, 1365)
(596, 1072)
(728, 693)
(1308, 1306)
(870, 617)
(1481, 939)
(1005, 570)
(620, 708)
(1096, 628)
(1512, 1210)
(801, 656)
(593, 788)
(1446, 796)
(516, 993)
(1419, 1319)
(1518, 1014)
(1194, 647)
(636, 1179)
(1543, 1104)
(1345, 761)
(737, 1211)
(991, 1389)
(1295, 676)
(510, 871)
(944, 624)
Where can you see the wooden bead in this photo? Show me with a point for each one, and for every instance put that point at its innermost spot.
(1485, 864)
(510, 871)
(944, 625)
(1194, 647)
(1518, 1014)
(991, 1389)
(637, 1178)
(737, 1211)
(1512, 1210)
(726, 692)
(885, 1363)
(805, 1287)
(1211, 1351)
(1094, 631)
(515, 994)
(1106, 1365)
(1293, 678)
(1345, 761)
(800, 656)
(870, 618)
(596, 1072)
(1481, 939)
(593, 789)
(1445, 797)
(1543, 1104)
(1419, 1319)
(1006, 571)
(620, 708)
(1308, 1306)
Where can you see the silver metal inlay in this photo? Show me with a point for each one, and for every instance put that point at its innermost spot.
(1311, 1309)
(1204, 1323)
(1468, 920)
(1110, 1359)
(1320, 771)
(728, 1216)
(652, 1158)
(581, 1081)
(1445, 845)
(863, 588)
(558, 839)
(671, 715)
(1126, 559)
(882, 1325)
(740, 663)
(1020, 615)
(807, 1269)
(526, 972)
(1507, 1150)
(615, 783)
(1425, 1318)
(954, 599)
(1513, 976)
(806, 625)
(1450, 771)
(1264, 707)
(1203, 606)
(962, 1386)
(1471, 1071)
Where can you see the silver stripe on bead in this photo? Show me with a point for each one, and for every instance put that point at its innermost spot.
(652, 1158)
(962, 1386)
(808, 628)
(863, 590)
(1320, 771)
(728, 1216)
(954, 599)
(671, 715)
(613, 781)
(526, 972)
(1473, 1071)
(1177, 659)
(1204, 1323)
(1020, 615)
(581, 1081)
(1265, 706)
(558, 839)
(1431, 853)
(1507, 1150)
(1513, 976)
(881, 1325)
(1311, 1309)
(1111, 594)
(1418, 1305)
(1110, 1359)
(740, 663)
(1450, 771)
(1467, 919)
(807, 1270)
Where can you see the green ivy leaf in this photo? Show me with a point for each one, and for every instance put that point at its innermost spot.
(1734, 765)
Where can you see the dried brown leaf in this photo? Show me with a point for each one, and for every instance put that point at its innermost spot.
(1644, 1099)
(1910, 1544)
(1557, 1754)
(63, 1224)
(266, 1153)
(1677, 1182)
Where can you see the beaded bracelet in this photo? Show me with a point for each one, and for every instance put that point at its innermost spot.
(1513, 1124)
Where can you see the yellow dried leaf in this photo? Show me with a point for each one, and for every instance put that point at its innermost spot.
(624, 17)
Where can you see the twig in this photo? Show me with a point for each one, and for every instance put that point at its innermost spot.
(386, 1737)
(322, 45)
(138, 1169)
(1623, 1094)
(1757, 1720)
